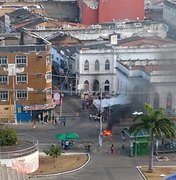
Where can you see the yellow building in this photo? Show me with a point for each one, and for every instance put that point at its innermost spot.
(25, 77)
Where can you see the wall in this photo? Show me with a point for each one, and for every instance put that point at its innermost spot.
(67, 11)
(120, 9)
(26, 164)
(169, 13)
(89, 16)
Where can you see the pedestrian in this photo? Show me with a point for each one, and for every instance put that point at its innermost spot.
(53, 119)
(87, 103)
(34, 124)
(90, 117)
(88, 147)
(112, 148)
(39, 118)
(83, 104)
(66, 145)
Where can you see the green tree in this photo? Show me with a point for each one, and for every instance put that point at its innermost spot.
(8, 136)
(54, 151)
(157, 125)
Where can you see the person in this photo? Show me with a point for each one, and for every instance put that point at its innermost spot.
(39, 118)
(34, 124)
(83, 104)
(90, 117)
(87, 103)
(112, 148)
(63, 144)
(66, 145)
(70, 144)
(88, 147)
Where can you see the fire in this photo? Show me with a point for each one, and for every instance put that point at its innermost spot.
(107, 133)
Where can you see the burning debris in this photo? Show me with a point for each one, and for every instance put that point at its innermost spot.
(107, 133)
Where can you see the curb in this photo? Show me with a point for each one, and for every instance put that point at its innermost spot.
(138, 168)
(66, 172)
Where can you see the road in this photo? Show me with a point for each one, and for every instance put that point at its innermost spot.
(103, 165)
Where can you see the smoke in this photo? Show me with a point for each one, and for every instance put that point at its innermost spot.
(118, 112)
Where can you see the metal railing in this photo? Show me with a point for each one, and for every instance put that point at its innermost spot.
(32, 142)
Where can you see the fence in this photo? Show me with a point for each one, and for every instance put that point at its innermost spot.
(23, 151)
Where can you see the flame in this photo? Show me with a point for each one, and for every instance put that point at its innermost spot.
(107, 133)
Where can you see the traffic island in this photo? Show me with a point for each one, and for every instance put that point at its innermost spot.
(66, 163)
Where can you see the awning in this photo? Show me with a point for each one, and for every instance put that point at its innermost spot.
(121, 99)
(51, 105)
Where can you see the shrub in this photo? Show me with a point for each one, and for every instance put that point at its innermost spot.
(54, 151)
(8, 136)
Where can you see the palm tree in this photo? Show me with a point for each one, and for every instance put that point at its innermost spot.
(156, 125)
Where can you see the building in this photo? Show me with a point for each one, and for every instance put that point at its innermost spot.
(99, 11)
(96, 69)
(169, 11)
(25, 77)
(146, 72)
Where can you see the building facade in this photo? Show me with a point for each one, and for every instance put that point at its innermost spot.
(169, 13)
(146, 74)
(96, 70)
(25, 77)
(99, 11)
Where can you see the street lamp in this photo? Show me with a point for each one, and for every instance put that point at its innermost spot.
(14, 95)
(100, 111)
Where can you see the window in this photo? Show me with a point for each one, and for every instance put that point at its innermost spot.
(86, 85)
(86, 65)
(107, 65)
(49, 92)
(48, 76)
(21, 78)
(21, 60)
(21, 94)
(3, 79)
(106, 87)
(3, 60)
(97, 65)
(3, 95)
(39, 57)
(48, 59)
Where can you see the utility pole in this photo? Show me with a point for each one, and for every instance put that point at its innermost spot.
(60, 102)
(100, 111)
(14, 95)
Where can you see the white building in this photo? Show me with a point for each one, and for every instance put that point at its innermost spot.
(146, 73)
(96, 69)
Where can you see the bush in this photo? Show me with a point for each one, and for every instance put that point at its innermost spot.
(8, 136)
(54, 151)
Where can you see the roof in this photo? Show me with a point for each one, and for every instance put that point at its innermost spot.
(139, 40)
(19, 13)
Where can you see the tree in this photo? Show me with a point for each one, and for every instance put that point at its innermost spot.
(54, 151)
(8, 136)
(157, 126)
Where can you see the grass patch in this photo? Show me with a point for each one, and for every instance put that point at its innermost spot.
(63, 163)
(158, 171)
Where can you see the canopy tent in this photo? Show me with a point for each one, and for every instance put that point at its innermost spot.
(66, 136)
(120, 99)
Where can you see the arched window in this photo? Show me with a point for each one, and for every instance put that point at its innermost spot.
(156, 101)
(106, 87)
(97, 65)
(169, 101)
(96, 85)
(86, 65)
(86, 85)
(107, 65)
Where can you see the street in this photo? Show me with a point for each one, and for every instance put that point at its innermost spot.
(103, 165)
